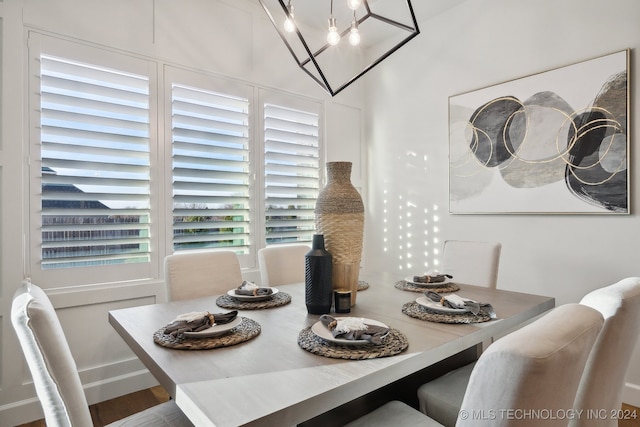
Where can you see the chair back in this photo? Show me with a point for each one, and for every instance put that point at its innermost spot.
(282, 264)
(473, 263)
(535, 369)
(49, 358)
(603, 380)
(201, 273)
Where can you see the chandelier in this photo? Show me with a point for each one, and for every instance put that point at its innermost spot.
(336, 44)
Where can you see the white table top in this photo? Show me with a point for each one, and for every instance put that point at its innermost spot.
(270, 380)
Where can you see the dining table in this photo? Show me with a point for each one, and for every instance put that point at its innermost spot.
(279, 371)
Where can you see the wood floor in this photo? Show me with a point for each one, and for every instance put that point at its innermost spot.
(112, 410)
(632, 416)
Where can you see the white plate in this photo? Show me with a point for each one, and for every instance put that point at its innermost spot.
(435, 306)
(215, 330)
(323, 332)
(251, 298)
(426, 285)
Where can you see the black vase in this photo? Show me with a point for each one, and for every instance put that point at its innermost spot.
(317, 280)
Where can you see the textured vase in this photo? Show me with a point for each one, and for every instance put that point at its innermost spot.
(317, 278)
(340, 218)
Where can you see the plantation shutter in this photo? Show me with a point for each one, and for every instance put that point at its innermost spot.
(95, 165)
(210, 139)
(292, 174)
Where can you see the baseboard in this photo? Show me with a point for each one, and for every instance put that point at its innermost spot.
(28, 410)
(631, 394)
(21, 412)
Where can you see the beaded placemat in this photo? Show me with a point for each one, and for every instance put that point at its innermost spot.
(245, 331)
(279, 299)
(413, 309)
(444, 289)
(394, 343)
(362, 285)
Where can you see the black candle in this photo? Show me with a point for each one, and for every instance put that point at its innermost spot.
(342, 301)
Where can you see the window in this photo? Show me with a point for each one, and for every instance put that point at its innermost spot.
(125, 170)
(95, 165)
(211, 199)
(245, 168)
(292, 173)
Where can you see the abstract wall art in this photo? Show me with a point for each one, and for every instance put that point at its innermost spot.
(553, 142)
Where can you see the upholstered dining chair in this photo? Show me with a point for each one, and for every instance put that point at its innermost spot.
(604, 375)
(282, 264)
(54, 370)
(471, 262)
(537, 367)
(603, 379)
(196, 274)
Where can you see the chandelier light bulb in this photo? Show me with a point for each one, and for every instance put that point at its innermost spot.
(333, 38)
(354, 4)
(354, 35)
(289, 24)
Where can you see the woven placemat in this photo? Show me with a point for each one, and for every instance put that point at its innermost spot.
(444, 289)
(279, 299)
(394, 343)
(362, 285)
(413, 309)
(245, 331)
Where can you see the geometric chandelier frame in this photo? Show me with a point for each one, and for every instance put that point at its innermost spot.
(384, 26)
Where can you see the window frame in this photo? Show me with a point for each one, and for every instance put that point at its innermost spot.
(266, 96)
(176, 75)
(53, 46)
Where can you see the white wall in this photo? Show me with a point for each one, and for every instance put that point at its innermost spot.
(477, 44)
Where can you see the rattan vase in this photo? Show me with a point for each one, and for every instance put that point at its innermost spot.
(340, 218)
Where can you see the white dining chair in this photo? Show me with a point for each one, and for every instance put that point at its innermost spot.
(603, 380)
(196, 274)
(282, 264)
(54, 370)
(536, 368)
(471, 262)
